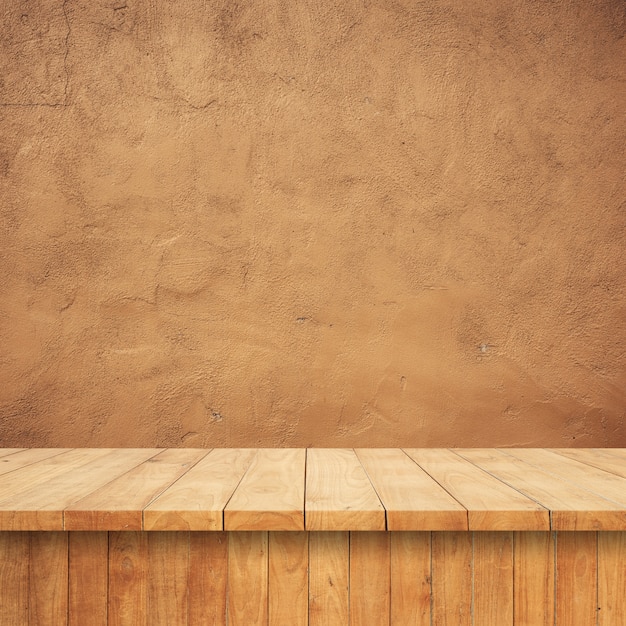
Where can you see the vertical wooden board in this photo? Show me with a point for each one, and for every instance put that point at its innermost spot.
(452, 578)
(410, 578)
(370, 585)
(208, 574)
(128, 578)
(247, 578)
(611, 578)
(493, 578)
(14, 568)
(329, 578)
(168, 571)
(533, 578)
(47, 603)
(88, 578)
(288, 578)
(576, 578)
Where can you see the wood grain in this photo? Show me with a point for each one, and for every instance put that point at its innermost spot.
(22, 458)
(247, 561)
(168, 567)
(128, 579)
(412, 499)
(339, 495)
(208, 576)
(88, 578)
(410, 578)
(370, 578)
(607, 460)
(271, 494)
(14, 578)
(493, 578)
(611, 578)
(452, 578)
(576, 578)
(196, 501)
(288, 578)
(533, 578)
(48, 583)
(329, 578)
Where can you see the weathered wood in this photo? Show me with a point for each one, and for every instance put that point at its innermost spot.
(14, 578)
(208, 576)
(533, 578)
(247, 561)
(119, 504)
(370, 578)
(271, 494)
(88, 578)
(288, 578)
(491, 505)
(410, 578)
(412, 499)
(452, 578)
(611, 578)
(493, 578)
(196, 501)
(168, 567)
(48, 585)
(329, 578)
(128, 579)
(339, 495)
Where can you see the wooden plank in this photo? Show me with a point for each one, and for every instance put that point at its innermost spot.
(329, 577)
(119, 504)
(339, 495)
(412, 499)
(14, 575)
(599, 458)
(48, 579)
(533, 578)
(247, 561)
(197, 500)
(41, 507)
(22, 458)
(410, 578)
(88, 578)
(168, 562)
(452, 578)
(7, 451)
(271, 494)
(288, 578)
(571, 506)
(576, 578)
(128, 579)
(370, 578)
(493, 578)
(611, 578)
(491, 505)
(208, 576)
(604, 484)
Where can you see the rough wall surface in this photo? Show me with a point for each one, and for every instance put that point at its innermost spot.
(312, 223)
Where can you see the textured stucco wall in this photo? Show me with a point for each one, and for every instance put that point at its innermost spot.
(327, 223)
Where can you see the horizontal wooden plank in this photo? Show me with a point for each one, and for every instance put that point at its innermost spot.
(571, 507)
(270, 496)
(22, 458)
(613, 461)
(196, 501)
(412, 499)
(119, 504)
(491, 504)
(339, 495)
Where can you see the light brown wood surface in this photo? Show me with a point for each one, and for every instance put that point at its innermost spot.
(611, 578)
(14, 577)
(196, 501)
(339, 494)
(270, 495)
(412, 499)
(12, 459)
(607, 460)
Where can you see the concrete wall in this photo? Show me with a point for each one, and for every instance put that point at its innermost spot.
(312, 223)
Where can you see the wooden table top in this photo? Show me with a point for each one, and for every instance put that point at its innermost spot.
(312, 489)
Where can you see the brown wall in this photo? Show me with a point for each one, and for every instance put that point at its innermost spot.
(320, 223)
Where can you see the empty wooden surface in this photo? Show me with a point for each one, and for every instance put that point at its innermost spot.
(315, 489)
